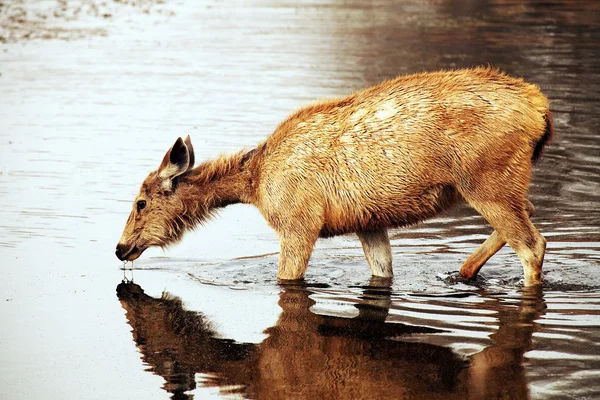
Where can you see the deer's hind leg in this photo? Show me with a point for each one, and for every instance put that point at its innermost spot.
(376, 245)
(491, 246)
(512, 224)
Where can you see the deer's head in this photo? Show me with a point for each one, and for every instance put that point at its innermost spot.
(158, 216)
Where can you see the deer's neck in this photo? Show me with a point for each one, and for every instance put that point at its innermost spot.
(221, 182)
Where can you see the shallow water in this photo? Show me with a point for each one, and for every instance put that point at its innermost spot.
(90, 101)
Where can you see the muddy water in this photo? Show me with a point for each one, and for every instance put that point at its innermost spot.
(92, 94)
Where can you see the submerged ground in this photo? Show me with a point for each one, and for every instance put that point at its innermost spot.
(93, 93)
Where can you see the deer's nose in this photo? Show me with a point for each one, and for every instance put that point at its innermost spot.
(119, 252)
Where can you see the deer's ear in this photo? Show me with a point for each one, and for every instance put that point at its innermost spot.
(188, 143)
(175, 162)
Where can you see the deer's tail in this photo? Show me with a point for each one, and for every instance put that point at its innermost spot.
(545, 139)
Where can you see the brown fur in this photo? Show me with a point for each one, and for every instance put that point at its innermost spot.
(389, 156)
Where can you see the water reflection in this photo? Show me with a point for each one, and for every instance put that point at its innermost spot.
(307, 355)
(498, 370)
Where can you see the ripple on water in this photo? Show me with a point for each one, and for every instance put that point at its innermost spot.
(525, 336)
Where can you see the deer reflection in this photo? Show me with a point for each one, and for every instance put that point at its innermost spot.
(497, 372)
(177, 343)
(307, 355)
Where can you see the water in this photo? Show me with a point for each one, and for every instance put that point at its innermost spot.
(90, 101)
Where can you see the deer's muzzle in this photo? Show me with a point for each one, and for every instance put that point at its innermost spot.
(127, 252)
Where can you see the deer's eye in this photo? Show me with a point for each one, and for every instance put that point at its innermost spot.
(141, 204)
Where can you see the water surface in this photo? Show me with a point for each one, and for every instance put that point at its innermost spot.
(91, 100)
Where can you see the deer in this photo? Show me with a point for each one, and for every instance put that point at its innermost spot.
(389, 156)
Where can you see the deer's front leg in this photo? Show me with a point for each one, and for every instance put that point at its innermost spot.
(296, 248)
(297, 217)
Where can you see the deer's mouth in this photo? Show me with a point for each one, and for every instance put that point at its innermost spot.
(128, 253)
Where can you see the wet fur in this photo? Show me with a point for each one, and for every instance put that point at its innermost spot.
(389, 156)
